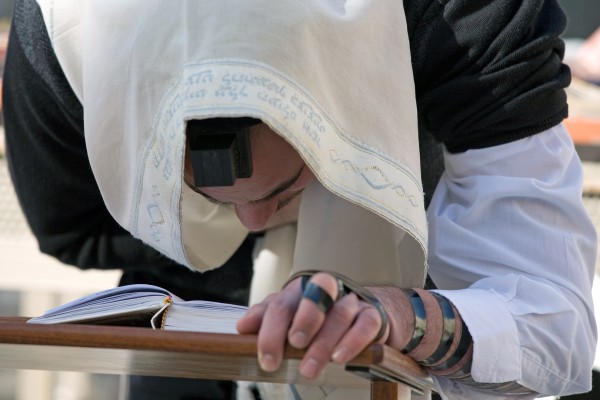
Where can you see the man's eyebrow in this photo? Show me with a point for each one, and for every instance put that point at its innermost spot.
(279, 189)
(195, 189)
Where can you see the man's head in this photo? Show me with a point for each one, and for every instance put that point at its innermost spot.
(270, 196)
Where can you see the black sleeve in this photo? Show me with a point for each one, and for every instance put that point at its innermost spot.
(489, 72)
(48, 161)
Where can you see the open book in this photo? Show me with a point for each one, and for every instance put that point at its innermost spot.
(146, 305)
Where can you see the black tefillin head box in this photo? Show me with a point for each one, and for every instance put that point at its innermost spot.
(220, 150)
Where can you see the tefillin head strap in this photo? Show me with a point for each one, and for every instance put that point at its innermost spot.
(220, 150)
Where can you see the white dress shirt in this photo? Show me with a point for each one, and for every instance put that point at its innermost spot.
(512, 246)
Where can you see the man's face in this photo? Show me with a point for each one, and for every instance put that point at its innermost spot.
(278, 179)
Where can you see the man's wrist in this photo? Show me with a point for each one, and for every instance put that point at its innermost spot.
(399, 309)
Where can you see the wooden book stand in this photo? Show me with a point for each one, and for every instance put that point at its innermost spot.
(143, 351)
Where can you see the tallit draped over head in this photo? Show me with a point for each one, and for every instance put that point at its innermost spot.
(333, 78)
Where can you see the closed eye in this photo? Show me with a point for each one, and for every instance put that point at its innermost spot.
(287, 201)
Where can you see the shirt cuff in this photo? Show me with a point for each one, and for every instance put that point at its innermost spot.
(490, 331)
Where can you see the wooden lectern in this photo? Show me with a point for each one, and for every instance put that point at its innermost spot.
(143, 351)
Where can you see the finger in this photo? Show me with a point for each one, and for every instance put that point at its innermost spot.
(319, 296)
(273, 330)
(338, 321)
(310, 317)
(359, 336)
(251, 321)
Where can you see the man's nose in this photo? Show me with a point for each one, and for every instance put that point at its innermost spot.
(255, 216)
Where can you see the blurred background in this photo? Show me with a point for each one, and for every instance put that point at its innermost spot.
(32, 282)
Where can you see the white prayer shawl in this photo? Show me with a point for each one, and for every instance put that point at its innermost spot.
(333, 78)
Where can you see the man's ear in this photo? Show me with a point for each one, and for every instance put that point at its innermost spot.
(219, 150)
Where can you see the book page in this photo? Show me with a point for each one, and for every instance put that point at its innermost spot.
(126, 305)
(203, 316)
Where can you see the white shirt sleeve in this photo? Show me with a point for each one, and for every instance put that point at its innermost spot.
(513, 248)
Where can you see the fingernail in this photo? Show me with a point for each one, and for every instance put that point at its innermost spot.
(339, 355)
(298, 339)
(310, 368)
(267, 362)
